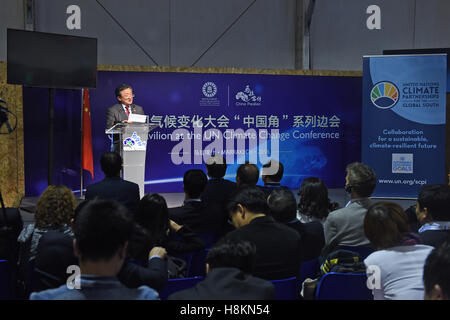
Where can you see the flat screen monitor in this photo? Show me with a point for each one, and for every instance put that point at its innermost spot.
(39, 59)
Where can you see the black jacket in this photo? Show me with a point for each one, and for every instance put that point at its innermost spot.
(278, 247)
(228, 284)
(196, 216)
(434, 238)
(312, 237)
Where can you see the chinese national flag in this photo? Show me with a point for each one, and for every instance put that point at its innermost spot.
(87, 159)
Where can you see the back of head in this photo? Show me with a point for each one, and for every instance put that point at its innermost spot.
(152, 214)
(247, 174)
(313, 198)
(111, 163)
(228, 253)
(55, 207)
(385, 225)
(251, 198)
(361, 178)
(101, 228)
(282, 205)
(436, 198)
(437, 271)
(194, 182)
(216, 167)
(273, 170)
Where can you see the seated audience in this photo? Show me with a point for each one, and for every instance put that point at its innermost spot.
(433, 213)
(283, 208)
(272, 173)
(314, 204)
(193, 213)
(154, 228)
(278, 247)
(113, 187)
(217, 191)
(102, 231)
(229, 268)
(397, 264)
(247, 175)
(344, 227)
(54, 211)
(436, 273)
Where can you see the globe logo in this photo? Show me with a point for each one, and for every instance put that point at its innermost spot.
(384, 95)
(209, 89)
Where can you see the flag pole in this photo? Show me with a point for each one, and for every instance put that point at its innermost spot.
(81, 145)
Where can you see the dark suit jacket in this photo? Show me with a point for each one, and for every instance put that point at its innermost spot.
(228, 284)
(434, 238)
(196, 215)
(312, 236)
(14, 221)
(268, 188)
(116, 114)
(278, 247)
(115, 188)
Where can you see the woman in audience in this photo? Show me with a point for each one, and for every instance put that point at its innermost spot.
(154, 228)
(54, 211)
(395, 269)
(314, 204)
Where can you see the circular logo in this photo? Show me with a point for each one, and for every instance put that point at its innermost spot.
(384, 95)
(129, 142)
(209, 89)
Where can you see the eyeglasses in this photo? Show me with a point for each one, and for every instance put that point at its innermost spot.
(128, 96)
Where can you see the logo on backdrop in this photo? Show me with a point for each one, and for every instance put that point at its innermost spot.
(384, 95)
(209, 90)
(247, 97)
(402, 163)
(134, 143)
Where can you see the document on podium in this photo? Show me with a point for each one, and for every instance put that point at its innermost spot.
(138, 118)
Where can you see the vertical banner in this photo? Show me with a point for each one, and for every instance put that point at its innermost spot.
(403, 122)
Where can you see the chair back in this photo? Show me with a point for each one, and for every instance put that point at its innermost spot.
(198, 263)
(363, 251)
(343, 286)
(309, 269)
(175, 285)
(6, 292)
(286, 289)
(209, 238)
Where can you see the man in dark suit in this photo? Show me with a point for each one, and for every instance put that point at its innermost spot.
(247, 175)
(193, 212)
(272, 173)
(229, 266)
(218, 190)
(432, 210)
(113, 186)
(120, 112)
(278, 247)
(283, 208)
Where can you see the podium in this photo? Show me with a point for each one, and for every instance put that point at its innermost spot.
(133, 150)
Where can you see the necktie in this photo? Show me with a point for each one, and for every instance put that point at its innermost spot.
(127, 110)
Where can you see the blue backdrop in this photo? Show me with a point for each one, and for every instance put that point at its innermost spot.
(318, 118)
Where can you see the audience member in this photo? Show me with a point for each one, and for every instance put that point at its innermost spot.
(436, 273)
(344, 227)
(247, 175)
(278, 247)
(102, 231)
(272, 173)
(193, 213)
(113, 187)
(397, 264)
(314, 204)
(229, 265)
(283, 208)
(217, 192)
(154, 228)
(433, 213)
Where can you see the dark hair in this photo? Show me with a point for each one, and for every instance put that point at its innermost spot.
(252, 198)
(120, 88)
(436, 198)
(313, 198)
(277, 176)
(282, 205)
(101, 227)
(385, 224)
(152, 214)
(194, 182)
(362, 179)
(248, 174)
(230, 253)
(111, 163)
(437, 269)
(216, 167)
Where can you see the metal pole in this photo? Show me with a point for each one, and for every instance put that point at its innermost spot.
(51, 116)
(81, 145)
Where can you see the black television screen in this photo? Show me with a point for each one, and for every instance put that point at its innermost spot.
(39, 59)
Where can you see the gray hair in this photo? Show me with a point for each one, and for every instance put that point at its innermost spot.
(361, 178)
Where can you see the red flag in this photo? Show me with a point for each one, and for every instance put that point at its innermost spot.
(87, 159)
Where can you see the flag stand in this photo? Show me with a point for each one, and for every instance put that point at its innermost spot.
(81, 146)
